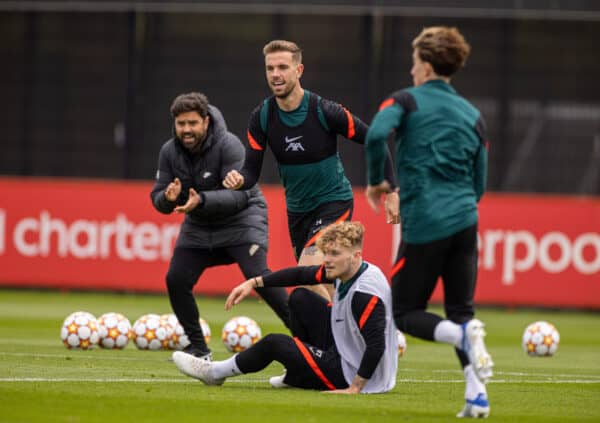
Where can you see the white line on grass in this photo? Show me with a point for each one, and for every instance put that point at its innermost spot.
(516, 381)
(76, 354)
(117, 380)
(81, 355)
(523, 374)
(13, 341)
(244, 380)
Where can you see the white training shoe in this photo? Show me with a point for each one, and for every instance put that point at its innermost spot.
(474, 347)
(198, 368)
(477, 408)
(277, 382)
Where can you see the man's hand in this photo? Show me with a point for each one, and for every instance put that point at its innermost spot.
(391, 204)
(357, 384)
(173, 190)
(241, 291)
(193, 201)
(233, 180)
(392, 207)
(374, 193)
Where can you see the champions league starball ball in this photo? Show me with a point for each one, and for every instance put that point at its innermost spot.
(401, 343)
(79, 331)
(178, 339)
(540, 339)
(150, 334)
(114, 331)
(240, 333)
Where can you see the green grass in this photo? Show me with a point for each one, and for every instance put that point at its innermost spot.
(42, 381)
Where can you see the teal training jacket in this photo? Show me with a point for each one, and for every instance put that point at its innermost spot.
(441, 158)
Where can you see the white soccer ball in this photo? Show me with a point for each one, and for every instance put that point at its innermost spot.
(79, 330)
(150, 334)
(240, 333)
(205, 330)
(168, 322)
(540, 339)
(114, 330)
(401, 343)
(178, 339)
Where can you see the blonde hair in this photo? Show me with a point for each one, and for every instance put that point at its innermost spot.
(443, 47)
(347, 234)
(284, 45)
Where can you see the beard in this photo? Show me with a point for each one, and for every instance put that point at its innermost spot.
(193, 144)
(286, 93)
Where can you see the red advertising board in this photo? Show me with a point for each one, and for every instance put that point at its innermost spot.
(534, 250)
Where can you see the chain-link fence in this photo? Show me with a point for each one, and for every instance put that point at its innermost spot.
(87, 85)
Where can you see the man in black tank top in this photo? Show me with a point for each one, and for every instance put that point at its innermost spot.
(301, 129)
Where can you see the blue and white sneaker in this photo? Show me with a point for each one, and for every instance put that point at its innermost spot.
(474, 347)
(477, 408)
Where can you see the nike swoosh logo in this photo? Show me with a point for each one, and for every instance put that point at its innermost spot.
(289, 140)
(339, 320)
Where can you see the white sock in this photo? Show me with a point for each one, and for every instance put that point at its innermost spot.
(225, 368)
(449, 333)
(473, 385)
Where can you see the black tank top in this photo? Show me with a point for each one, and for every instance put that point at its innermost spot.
(308, 142)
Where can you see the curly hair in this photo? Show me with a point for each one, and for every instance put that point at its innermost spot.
(347, 234)
(284, 45)
(190, 102)
(443, 47)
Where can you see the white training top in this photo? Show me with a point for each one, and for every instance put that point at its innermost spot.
(349, 341)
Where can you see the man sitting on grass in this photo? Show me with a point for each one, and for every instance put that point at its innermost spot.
(355, 351)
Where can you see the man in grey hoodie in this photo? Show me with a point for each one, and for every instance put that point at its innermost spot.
(221, 226)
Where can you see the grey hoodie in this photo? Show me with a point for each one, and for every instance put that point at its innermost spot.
(225, 217)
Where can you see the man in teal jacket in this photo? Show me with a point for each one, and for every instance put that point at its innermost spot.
(441, 160)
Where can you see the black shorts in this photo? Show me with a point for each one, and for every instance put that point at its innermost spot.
(419, 266)
(305, 227)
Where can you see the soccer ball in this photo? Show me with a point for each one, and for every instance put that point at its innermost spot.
(114, 330)
(401, 343)
(79, 330)
(168, 322)
(149, 334)
(205, 330)
(240, 333)
(178, 339)
(540, 339)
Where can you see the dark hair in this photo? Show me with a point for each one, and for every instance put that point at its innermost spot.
(443, 47)
(284, 45)
(190, 102)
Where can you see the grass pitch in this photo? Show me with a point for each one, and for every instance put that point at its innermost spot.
(42, 381)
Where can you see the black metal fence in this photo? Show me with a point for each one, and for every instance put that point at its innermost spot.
(86, 91)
